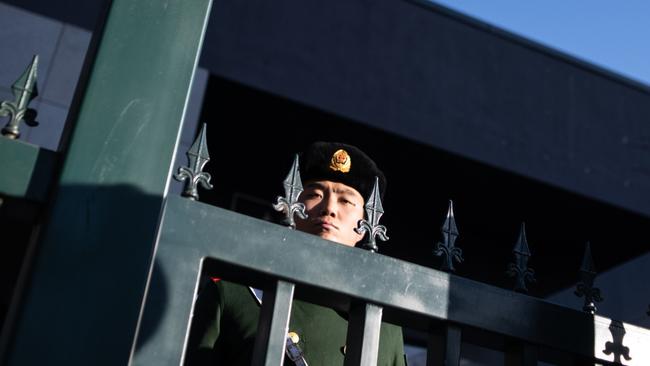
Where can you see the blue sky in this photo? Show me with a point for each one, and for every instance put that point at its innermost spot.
(614, 35)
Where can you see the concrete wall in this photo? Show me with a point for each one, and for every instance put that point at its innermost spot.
(447, 82)
(625, 291)
(437, 77)
(61, 48)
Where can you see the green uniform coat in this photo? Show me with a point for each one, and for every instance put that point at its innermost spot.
(225, 323)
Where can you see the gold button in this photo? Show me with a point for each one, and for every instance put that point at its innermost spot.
(294, 337)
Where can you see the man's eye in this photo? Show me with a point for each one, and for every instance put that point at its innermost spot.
(348, 202)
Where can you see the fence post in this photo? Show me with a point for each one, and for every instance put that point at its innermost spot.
(273, 325)
(521, 354)
(444, 350)
(91, 266)
(364, 325)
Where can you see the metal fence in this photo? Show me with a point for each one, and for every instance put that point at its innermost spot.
(196, 238)
(371, 286)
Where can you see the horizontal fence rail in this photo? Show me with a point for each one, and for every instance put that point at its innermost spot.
(370, 286)
(27, 170)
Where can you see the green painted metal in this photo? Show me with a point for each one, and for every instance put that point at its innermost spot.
(193, 174)
(83, 305)
(371, 227)
(273, 325)
(289, 204)
(26, 170)
(24, 90)
(362, 345)
(409, 294)
(447, 248)
(521, 355)
(444, 349)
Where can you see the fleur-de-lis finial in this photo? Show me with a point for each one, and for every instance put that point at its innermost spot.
(447, 248)
(519, 269)
(374, 210)
(586, 285)
(289, 204)
(24, 89)
(198, 156)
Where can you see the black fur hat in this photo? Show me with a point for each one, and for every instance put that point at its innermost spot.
(341, 163)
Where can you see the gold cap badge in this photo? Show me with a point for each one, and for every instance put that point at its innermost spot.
(341, 161)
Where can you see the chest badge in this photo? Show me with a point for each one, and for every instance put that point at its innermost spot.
(294, 337)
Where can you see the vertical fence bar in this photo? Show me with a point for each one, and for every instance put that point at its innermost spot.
(93, 258)
(364, 325)
(521, 354)
(273, 325)
(444, 349)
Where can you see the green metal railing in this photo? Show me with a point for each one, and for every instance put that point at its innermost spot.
(371, 286)
(27, 170)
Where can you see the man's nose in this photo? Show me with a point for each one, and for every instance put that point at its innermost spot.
(328, 206)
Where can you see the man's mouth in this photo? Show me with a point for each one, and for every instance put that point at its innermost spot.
(325, 225)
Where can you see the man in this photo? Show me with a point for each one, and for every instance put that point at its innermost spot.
(337, 179)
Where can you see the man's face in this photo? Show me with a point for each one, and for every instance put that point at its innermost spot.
(334, 210)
